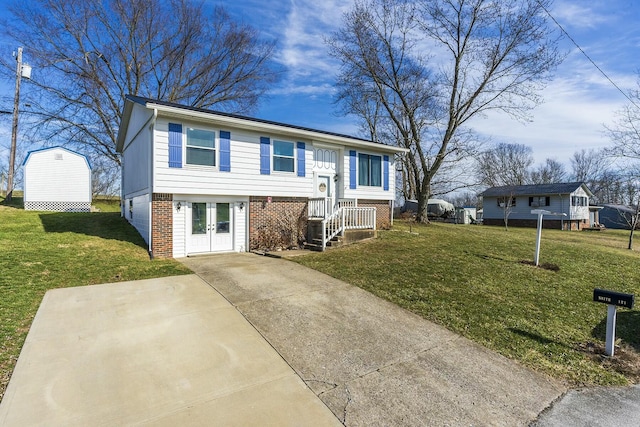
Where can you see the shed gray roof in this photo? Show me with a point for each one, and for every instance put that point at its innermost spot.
(535, 190)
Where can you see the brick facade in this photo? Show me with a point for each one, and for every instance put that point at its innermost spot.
(162, 225)
(383, 212)
(277, 223)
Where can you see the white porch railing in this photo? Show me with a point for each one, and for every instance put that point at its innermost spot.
(347, 218)
(319, 207)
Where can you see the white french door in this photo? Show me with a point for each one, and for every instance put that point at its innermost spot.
(210, 227)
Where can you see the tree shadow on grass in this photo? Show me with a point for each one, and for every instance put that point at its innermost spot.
(627, 327)
(536, 337)
(106, 225)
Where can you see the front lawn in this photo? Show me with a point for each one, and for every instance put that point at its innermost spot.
(479, 282)
(47, 250)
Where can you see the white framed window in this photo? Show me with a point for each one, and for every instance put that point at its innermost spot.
(369, 170)
(283, 156)
(201, 147)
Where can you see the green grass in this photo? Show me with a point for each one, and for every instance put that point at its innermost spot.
(475, 280)
(47, 250)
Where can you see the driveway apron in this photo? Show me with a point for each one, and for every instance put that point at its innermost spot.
(371, 362)
(161, 352)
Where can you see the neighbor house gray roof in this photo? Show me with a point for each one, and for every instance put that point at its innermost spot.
(535, 190)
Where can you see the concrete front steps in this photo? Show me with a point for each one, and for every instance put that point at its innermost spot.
(350, 236)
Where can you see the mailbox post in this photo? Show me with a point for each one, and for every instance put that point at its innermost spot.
(612, 299)
(540, 213)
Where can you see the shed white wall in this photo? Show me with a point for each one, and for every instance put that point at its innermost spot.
(57, 175)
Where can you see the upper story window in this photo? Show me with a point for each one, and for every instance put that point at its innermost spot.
(201, 147)
(283, 156)
(369, 170)
(579, 201)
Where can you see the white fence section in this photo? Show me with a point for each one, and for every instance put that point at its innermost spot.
(347, 219)
(319, 207)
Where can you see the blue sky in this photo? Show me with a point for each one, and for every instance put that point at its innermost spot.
(578, 101)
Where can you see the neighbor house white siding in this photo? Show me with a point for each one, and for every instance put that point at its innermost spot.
(57, 179)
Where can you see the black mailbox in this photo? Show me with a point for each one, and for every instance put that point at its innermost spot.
(614, 298)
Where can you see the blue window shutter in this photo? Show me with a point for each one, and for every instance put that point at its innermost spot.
(265, 155)
(175, 145)
(301, 159)
(352, 169)
(385, 173)
(225, 151)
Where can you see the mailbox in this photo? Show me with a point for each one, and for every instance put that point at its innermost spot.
(613, 298)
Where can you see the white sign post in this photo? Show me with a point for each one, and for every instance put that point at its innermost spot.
(540, 213)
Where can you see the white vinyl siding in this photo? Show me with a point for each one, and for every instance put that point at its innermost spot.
(57, 175)
(244, 179)
(136, 154)
(136, 211)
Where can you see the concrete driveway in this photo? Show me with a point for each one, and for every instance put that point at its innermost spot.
(162, 352)
(371, 362)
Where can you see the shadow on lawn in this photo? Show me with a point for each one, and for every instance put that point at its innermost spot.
(536, 337)
(106, 225)
(627, 327)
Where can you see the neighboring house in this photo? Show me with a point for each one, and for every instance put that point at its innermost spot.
(571, 199)
(199, 181)
(57, 179)
(617, 216)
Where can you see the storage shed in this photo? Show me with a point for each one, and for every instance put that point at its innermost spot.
(57, 179)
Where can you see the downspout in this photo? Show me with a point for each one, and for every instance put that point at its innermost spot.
(562, 210)
(151, 122)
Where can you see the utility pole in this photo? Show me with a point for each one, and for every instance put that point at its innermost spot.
(14, 127)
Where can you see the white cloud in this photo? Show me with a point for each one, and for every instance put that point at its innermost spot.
(570, 14)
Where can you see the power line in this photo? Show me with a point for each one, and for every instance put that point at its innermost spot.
(587, 56)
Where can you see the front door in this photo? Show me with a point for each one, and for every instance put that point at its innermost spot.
(211, 227)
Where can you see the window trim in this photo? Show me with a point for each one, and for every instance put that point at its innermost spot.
(215, 149)
(369, 177)
(273, 157)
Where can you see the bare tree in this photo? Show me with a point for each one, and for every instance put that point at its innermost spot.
(550, 172)
(504, 164)
(425, 68)
(87, 55)
(594, 168)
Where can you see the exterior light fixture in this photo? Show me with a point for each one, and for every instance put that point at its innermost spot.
(178, 206)
(241, 206)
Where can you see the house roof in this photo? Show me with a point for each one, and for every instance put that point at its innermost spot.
(534, 190)
(57, 147)
(243, 121)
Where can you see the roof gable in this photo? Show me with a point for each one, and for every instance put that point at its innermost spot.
(40, 150)
(537, 189)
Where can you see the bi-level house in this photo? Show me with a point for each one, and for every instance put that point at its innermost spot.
(198, 181)
(517, 202)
